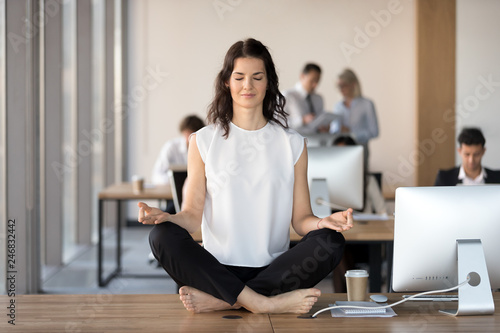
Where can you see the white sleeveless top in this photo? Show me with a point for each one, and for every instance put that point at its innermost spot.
(249, 198)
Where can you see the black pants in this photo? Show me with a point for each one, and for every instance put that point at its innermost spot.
(189, 264)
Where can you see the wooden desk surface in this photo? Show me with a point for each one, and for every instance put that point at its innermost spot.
(124, 191)
(411, 317)
(121, 313)
(362, 231)
(165, 313)
(371, 231)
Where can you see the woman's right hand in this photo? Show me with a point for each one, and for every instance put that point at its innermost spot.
(151, 215)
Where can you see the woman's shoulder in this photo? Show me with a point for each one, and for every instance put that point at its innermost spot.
(205, 135)
(293, 134)
(362, 100)
(290, 132)
(339, 107)
(295, 139)
(206, 132)
(206, 128)
(204, 138)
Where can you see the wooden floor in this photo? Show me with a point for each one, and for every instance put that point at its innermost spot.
(165, 313)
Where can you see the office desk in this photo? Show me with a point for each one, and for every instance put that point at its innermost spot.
(411, 317)
(119, 193)
(377, 234)
(165, 313)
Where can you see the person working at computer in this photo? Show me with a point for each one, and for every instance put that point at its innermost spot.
(247, 181)
(175, 150)
(471, 148)
(356, 114)
(303, 104)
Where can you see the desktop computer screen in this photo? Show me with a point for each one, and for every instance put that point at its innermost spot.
(343, 169)
(428, 223)
(320, 139)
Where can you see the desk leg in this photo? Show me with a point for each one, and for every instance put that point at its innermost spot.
(389, 246)
(99, 244)
(375, 267)
(102, 282)
(119, 236)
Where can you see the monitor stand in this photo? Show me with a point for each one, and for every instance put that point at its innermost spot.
(474, 298)
(320, 199)
(319, 193)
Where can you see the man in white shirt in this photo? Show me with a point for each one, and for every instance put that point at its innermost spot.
(174, 152)
(302, 103)
(471, 150)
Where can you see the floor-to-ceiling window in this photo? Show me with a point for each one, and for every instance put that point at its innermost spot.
(71, 153)
(57, 83)
(3, 204)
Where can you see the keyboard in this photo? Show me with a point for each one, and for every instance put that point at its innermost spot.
(363, 311)
(434, 298)
(374, 308)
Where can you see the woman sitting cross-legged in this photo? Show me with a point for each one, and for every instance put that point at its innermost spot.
(247, 181)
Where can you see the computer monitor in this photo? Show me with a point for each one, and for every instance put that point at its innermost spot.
(440, 236)
(320, 139)
(343, 170)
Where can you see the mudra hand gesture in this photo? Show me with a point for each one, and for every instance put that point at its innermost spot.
(151, 215)
(340, 221)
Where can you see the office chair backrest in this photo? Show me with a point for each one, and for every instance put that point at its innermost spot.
(177, 175)
(378, 177)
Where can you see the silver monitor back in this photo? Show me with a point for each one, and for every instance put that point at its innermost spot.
(320, 139)
(343, 169)
(429, 220)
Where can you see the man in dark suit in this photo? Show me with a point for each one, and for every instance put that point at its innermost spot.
(471, 149)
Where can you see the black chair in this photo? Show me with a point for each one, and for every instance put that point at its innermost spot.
(177, 175)
(378, 177)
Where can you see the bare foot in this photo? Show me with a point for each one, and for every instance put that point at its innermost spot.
(197, 301)
(296, 301)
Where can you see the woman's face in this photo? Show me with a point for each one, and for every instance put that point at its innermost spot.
(346, 88)
(248, 83)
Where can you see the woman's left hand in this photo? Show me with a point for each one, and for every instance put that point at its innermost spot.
(340, 221)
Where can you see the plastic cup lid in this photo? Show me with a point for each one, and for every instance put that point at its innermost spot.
(356, 273)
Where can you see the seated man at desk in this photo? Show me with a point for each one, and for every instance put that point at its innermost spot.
(174, 152)
(471, 148)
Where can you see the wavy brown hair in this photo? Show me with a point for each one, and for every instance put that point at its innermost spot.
(220, 110)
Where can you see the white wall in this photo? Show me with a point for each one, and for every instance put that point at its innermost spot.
(478, 53)
(188, 40)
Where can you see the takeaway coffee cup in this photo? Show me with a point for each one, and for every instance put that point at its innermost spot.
(137, 184)
(356, 280)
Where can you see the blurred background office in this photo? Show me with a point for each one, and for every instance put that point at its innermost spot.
(91, 89)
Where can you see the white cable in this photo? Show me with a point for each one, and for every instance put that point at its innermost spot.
(393, 304)
(320, 201)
